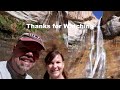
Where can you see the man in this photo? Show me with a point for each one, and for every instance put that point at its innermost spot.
(23, 58)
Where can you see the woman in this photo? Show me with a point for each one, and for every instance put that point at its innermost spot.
(55, 66)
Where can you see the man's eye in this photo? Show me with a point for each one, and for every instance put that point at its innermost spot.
(23, 49)
(35, 52)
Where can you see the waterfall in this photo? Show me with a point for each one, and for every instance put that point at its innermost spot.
(59, 20)
(95, 67)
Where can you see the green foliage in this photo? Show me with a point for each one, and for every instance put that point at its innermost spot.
(11, 24)
(2, 20)
(20, 25)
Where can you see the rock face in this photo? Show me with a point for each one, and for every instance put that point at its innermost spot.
(111, 30)
(112, 26)
(108, 14)
(41, 15)
(36, 16)
(83, 19)
(80, 15)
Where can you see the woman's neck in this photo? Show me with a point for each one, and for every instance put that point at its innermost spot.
(59, 77)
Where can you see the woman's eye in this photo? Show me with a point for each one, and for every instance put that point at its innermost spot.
(51, 63)
(58, 62)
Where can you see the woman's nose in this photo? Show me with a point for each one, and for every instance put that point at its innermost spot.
(54, 65)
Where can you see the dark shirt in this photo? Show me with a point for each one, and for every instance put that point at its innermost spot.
(13, 73)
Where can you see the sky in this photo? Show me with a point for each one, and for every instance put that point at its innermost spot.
(98, 14)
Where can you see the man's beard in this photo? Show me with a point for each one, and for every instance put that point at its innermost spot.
(26, 63)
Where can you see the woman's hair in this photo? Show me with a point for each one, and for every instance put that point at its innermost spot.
(50, 56)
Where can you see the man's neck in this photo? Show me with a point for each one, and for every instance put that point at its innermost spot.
(13, 73)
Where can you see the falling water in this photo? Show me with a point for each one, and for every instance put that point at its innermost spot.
(59, 19)
(95, 67)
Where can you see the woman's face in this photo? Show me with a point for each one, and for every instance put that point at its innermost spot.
(55, 67)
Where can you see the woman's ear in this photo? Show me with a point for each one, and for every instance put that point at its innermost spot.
(63, 64)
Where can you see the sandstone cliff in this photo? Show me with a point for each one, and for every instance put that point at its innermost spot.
(111, 30)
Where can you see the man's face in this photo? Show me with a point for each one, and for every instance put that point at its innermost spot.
(25, 55)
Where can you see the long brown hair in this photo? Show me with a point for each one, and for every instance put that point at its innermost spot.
(50, 56)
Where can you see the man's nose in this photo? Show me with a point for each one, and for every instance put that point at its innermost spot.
(30, 54)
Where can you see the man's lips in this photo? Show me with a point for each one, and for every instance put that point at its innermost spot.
(26, 59)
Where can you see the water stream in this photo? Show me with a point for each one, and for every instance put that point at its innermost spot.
(95, 67)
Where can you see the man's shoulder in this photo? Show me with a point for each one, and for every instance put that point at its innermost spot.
(4, 73)
(3, 63)
(28, 77)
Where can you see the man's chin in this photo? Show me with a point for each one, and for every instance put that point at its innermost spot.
(25, 69)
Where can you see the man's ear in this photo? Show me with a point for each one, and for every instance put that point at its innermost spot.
(14, 48)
